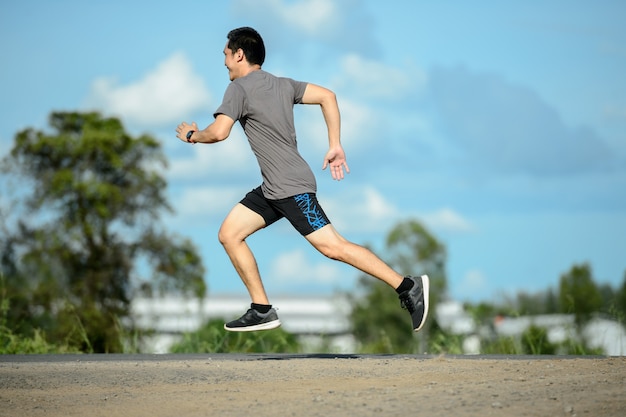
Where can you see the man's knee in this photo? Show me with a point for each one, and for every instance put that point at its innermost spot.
(333, 250)
(329, 243)
(240, 223)
(225, 235)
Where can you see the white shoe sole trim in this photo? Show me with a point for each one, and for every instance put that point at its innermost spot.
(425, 289)
(263, 326)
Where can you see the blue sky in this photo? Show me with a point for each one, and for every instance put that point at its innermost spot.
(499, 125)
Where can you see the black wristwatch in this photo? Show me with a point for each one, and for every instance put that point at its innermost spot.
(191, 132)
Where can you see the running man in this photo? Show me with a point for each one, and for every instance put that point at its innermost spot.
(263, 105)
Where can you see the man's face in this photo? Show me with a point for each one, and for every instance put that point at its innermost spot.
(230, 61)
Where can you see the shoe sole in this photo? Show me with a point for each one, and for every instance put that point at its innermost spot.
(426, 290)
(263, 326)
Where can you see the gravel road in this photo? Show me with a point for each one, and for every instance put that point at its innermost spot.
(311, 385)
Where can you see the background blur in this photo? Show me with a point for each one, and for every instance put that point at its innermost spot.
(500, 127)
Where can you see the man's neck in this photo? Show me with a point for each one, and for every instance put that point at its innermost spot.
(247, 70)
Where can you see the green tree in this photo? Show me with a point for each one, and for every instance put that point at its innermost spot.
(542, 302)
(620, 301)
(578, 293)
(378, 322)
(415, 251)
(552, 302)
(87, 237)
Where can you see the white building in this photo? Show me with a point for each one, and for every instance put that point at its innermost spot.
(316, 320)
(310, 318)
(607, 335)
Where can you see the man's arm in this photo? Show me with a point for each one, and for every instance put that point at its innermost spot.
(326, 99)
(215, 132)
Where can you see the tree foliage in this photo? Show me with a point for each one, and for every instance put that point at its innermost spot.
(83, 236)
(620, 299)
(380, 326)
(378, 322)
(415, 251)
(579, 294)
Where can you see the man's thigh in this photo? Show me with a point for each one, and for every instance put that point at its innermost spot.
(240, 223)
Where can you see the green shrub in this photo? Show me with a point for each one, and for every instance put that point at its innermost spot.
(12, 343)
(212, 338)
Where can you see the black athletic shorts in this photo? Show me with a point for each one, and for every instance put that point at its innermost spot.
(303, 210)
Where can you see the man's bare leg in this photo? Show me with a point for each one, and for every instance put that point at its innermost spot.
(240, 223)
(331, 244)
(413, 292)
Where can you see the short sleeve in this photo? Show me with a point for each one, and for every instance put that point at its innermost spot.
(298, 87)
(233, 102)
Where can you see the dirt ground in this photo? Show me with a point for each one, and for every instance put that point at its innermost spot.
(312, 386)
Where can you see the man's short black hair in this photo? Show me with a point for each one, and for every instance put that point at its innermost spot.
(250, 42)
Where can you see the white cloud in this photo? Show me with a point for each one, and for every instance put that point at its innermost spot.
(339, 26)
(232, 156)
(309, 16)
(361, 210)
(474, 284)
(447, 219)
(294, 267)
(375, 79)
(358, 121)
(200, 202)
(376, 206)
(367, 209)
(363, 121)
(167, 94)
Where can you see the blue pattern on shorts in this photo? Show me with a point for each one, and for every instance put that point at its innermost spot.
(311, 211)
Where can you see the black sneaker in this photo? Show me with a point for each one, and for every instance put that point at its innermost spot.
(416, 301)
(253, 320)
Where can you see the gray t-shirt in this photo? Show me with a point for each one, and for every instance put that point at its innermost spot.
(263, 105)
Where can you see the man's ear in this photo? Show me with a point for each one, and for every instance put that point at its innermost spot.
(239, 55)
